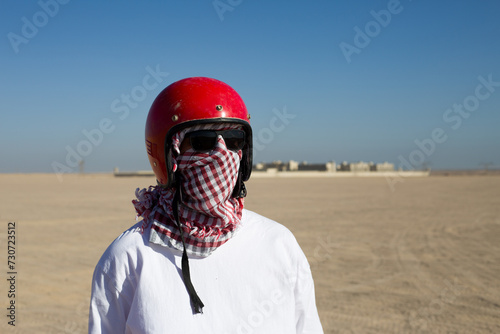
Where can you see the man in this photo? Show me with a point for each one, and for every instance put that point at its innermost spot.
(198, 262)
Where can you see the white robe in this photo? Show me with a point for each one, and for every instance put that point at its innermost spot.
(257, 282)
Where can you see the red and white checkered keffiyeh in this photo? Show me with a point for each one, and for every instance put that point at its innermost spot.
(208, 215)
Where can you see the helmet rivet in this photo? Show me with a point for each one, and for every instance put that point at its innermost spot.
(218, 107)
(175, 118)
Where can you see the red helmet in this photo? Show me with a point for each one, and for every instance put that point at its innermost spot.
(189, 102)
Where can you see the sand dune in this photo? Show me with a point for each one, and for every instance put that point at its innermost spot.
(422, 257)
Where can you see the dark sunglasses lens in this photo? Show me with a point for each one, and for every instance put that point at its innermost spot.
(234, 139)
(203, 141)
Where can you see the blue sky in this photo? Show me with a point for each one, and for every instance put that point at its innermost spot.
(324, 80)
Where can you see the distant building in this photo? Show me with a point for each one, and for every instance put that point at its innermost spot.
(305, 166)
(331, 166)
(384, 167)
(260, 166)
(344, 167)
(276, 166)
(360, 167)
(293, 165)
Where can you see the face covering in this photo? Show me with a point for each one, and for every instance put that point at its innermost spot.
(208, 215)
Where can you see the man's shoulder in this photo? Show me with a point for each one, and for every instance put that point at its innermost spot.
(270, 239)
(132, 237)
(126, 247)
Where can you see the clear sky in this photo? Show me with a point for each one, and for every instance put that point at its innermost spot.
(410, 82)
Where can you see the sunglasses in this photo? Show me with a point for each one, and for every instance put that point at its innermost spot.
(205, 140)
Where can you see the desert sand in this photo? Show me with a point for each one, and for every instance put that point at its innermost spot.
(420, 257)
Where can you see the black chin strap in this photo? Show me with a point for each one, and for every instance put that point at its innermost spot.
(196, 302)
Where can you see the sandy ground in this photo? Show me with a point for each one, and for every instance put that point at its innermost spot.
(421, 257)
